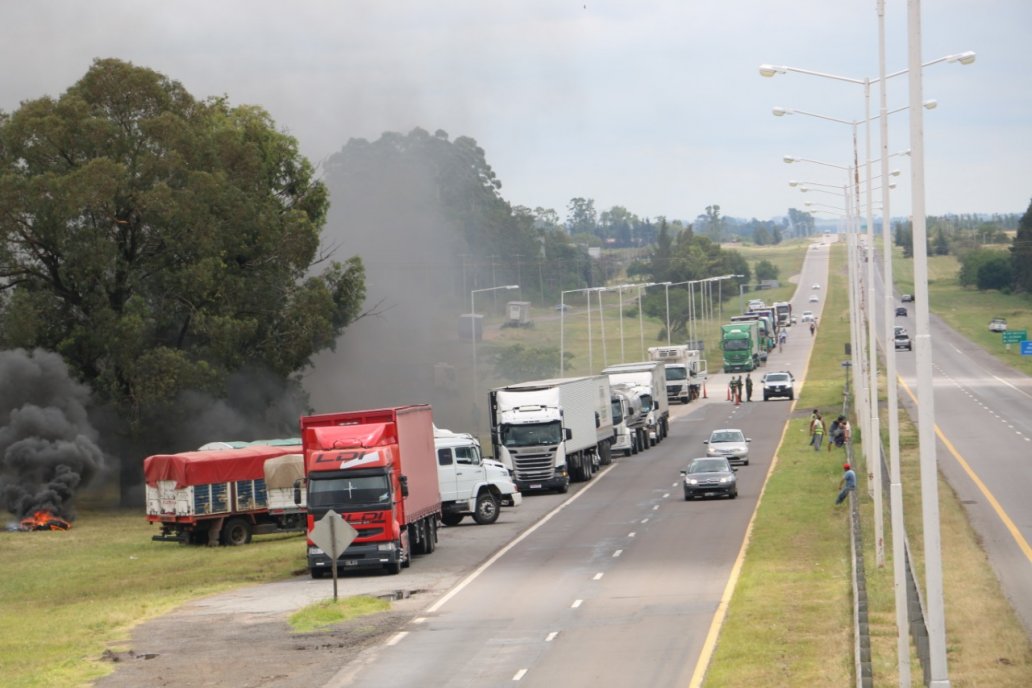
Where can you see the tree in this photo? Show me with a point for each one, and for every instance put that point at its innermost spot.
(1021, 253)
(995, 273)
(712, 224)
(160, 244)
(581, 217)
(766, 270)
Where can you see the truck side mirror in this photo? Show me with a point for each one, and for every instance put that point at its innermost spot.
(568, 434)
(297, 492)
(404, 485)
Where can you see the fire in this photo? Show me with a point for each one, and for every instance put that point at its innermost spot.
(44, 520)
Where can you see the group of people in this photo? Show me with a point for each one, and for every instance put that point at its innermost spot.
(736, 385)
(840, 431)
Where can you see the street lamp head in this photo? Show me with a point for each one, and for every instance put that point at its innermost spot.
(512, 286)
(790, 158)
(804, 189)
(930, 104)
(894, 173)
(781, 112)
(770, 70)
(964, 58)
(793, 182)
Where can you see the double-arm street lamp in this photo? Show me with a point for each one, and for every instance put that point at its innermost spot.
(562, 326)
(473, 337)
(926, 410)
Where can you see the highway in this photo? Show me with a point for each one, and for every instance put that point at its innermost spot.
(983, 416)
(619, 585)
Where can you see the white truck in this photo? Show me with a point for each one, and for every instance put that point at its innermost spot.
(628, 419)
(549, 432)
(470, 484)
(652, 376)
(783, 309)
(685, 368)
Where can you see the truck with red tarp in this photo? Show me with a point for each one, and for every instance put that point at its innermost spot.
(221, 495)
(378, 470)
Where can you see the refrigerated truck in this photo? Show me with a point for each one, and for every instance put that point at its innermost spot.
(652, 375)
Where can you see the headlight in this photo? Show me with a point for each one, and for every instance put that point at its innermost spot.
(691, 481)
(726, 479)
(385, 547)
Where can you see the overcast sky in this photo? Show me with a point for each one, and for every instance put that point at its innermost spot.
(653, 105)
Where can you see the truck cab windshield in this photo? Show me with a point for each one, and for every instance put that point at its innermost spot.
(736, 344)
(617, 411)
(532, 435)
(676, 374)
(348, 493)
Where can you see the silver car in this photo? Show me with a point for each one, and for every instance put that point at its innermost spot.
(730, 443)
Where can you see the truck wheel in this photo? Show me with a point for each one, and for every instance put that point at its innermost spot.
(605, 456)
(237, 531)
(634, 443)
(317, 573)
(431, 535)
(486, 511)
(451, 519)
(565, 487)
(394, 568)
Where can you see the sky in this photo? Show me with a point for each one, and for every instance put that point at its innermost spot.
(656, 106)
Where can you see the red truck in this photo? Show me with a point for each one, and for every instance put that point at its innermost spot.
(378, 470)
(207, 497)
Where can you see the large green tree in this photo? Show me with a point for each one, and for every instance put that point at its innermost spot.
(1021, 254)
(161, 243)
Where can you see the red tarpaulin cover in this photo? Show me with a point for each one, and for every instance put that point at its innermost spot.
(215, 466)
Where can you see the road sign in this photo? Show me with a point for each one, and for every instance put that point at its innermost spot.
(1014, 336)
(1026, 348)
(332, 534)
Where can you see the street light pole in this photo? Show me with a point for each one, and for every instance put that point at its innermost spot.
(473, 338)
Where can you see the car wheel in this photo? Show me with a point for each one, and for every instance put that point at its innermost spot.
(734, 494)
(687, 497)
(791, 396)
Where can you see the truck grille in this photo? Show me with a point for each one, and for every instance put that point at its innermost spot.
(532, 464)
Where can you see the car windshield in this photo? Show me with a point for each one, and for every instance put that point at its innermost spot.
(727, 436)
(777, 377)
(708, 466)
(676, 374)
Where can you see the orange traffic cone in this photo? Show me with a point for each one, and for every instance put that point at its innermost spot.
(704, 391)
(738, 399)
(729, 393)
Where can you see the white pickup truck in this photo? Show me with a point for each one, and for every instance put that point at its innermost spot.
(470, 484)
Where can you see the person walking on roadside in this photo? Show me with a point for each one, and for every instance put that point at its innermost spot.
(817, 430)
(782, 338)
(813, 327)
(847, 484)
(748, 387)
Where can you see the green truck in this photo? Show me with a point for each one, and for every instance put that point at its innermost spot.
(741, 343)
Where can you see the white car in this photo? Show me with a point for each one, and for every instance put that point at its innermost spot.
(815, 285)
(730, 443)
(814, 298)
(807, 316)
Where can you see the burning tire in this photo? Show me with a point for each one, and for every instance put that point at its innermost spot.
(237, 531)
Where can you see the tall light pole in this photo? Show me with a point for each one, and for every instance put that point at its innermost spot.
(562, 327)
(473, 338)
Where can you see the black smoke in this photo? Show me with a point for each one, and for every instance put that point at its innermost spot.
(48, 449)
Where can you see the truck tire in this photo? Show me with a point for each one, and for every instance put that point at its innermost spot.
(393, 568)
(565, 487)
(417, 536)
(317, 573)
(451, 519)
(605, 456)
(431, 535)
(486, 511)
(237, 531)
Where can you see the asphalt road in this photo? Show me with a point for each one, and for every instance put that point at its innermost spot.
(983, 418)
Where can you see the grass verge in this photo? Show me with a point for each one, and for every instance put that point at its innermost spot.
(318, 616)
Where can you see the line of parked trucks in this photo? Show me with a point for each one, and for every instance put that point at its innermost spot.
(394, 476)
(748, 338)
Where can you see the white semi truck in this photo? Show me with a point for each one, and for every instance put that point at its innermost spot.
(652, 376)
(629, 419)
(550, 432)
(685, 369)
(470, 484)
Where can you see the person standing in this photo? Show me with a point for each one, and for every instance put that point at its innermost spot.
(748, 387)
(817, 430)
(847, 484)
(813, 327)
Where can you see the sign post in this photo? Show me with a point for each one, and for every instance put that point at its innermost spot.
(332, 534)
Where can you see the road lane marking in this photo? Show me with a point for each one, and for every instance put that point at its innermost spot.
(519, 674)
(598, 576)
(644, 520)
(997, 507)
(631, 534)
(617, 553)
(667, 494)
(655, 507)
(396, 638)
(419, 619)
(576, 603)
(551, 636)
(523, 536)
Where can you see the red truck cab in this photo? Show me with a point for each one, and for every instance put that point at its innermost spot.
(378, 470)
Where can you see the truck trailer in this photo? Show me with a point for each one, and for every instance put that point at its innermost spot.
(220, 495)
(378, 470)
(685, 371)
(652, 376)
(629, 419)
(549, 432)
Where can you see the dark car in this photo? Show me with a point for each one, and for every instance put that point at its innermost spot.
(712, 476)
(901, 311)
